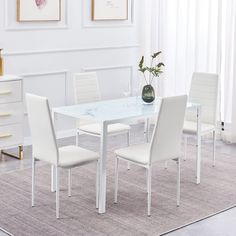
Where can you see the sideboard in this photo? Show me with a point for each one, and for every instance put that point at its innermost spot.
(11, 114)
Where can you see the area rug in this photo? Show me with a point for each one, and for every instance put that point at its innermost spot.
(216, 192)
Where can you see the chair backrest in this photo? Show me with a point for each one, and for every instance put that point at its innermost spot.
(42, 131)
(86, 87)
(204, 90)
(167, 135)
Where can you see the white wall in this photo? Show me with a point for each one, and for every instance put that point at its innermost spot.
(47, 54)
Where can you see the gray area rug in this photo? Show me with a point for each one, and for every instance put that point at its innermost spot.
(216, 192)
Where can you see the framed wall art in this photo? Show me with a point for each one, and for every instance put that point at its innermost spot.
(38, 10)
(109, 10)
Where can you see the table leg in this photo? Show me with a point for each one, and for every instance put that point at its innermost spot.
(102, 175)
(147, 129)
(53, 178)
(53, 169)
(198, 145)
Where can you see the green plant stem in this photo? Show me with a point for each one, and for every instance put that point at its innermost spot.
(152, 79)
(145, 77)
(150, 73)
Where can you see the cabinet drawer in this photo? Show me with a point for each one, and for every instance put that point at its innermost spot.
(11, 113)
(10, 91)
(11, 135)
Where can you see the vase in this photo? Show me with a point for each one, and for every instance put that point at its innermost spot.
(148, 94)
(1, 64)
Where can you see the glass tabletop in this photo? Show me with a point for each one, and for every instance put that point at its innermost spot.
(109, 110)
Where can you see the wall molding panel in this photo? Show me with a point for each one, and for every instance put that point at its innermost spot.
(50, 73)
(115, 67)
(68, 50)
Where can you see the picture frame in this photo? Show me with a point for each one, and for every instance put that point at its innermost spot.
(105, 10)
(38, 10)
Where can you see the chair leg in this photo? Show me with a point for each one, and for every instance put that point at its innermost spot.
(77, 138)
(97, 185)
(147, 179)
(185, 147)
(214, 148)
(147, 130)
(128, 165)
(33, 181)
(166, 164)
(128, 143)
(178, 182)
(149, 190)
(116, 178)
(69, 183)
(57, 192)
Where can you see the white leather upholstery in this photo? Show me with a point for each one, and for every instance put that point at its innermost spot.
(42, 131)
(190, 127)
(86, 90)
(72, 156)
(204, 90)
(166, 138)
(86, 87)
(44, 140)
(136, 153)
(112, 129)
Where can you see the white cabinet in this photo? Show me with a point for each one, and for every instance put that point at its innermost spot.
(11, 114)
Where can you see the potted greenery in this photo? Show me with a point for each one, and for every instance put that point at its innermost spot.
(155, 69)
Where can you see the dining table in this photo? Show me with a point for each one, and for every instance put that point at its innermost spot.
(120, 110)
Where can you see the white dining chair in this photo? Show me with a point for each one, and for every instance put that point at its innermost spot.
(86, 90)
(204, 91)
(165, 143)
(45, 146)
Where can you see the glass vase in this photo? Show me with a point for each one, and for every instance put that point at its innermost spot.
(148, 94)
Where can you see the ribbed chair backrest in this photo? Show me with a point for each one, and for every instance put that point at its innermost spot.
(86, 87)
(166, 138)
(204, 90)
(41, 127)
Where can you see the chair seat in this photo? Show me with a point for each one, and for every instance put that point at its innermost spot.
(112, 129)
(191, 127)
(136, 153)
(71, 156)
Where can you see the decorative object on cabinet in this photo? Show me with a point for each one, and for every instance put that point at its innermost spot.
(155, 69)
(38, 10)
(1, 63)
(109, 10)
(11, 114)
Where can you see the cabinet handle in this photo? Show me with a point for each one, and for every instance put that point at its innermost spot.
(5, 114)
(5, 135)
(5, 92)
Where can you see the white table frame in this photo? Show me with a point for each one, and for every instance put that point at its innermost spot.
(103, 150)
(199, 141)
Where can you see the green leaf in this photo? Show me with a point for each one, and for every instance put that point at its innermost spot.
(143, 70)
(160, 64)
(156, 54)
(141, 62)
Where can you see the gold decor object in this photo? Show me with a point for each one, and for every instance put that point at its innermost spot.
(19, 156)
(1, 63)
